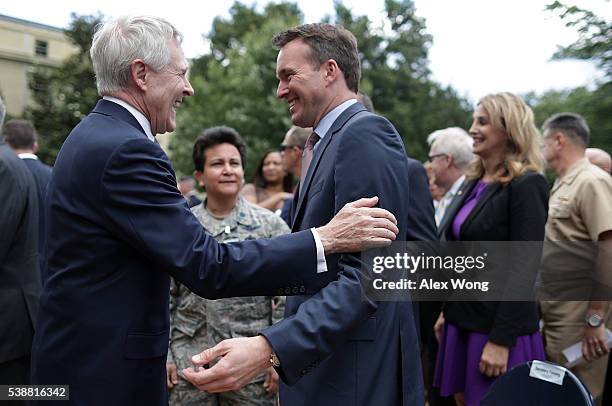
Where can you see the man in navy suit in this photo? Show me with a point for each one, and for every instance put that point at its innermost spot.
(19, 276)
(338, 347)
(118, 228)
(21, 137)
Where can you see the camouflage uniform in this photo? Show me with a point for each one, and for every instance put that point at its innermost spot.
(197, 324)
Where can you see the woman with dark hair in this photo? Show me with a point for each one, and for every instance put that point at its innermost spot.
(504, 198)
(271, 184)
(196, 323)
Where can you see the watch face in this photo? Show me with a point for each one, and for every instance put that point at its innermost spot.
(594, 320)
(274, 360)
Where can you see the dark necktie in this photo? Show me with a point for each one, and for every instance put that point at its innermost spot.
(307, 155)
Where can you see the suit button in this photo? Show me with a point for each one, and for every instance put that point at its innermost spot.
(280, 291)
(287, 291)
(295, 290)
(302, 289)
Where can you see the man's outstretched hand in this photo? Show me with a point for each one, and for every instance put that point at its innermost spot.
(358, 226)
(241, 360)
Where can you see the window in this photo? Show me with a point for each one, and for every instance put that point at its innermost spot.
(41, 48)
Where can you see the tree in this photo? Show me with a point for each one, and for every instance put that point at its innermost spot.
(396, 74)
(593, 105)
(595, 44)
(64, 95)
(235, 82)
(595, 36)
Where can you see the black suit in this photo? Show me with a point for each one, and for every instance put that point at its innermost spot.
(19, 277)
(42, 175)
(513, 212)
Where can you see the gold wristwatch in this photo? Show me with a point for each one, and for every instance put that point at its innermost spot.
(274, 360)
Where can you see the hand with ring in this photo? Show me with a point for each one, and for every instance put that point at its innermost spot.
(594, 344)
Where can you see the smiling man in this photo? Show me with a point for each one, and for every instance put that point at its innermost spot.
(337, 346)
(118, 228)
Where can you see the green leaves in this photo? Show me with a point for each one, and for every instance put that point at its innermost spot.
(593, 105)
(64, 95)
(396, 75)
(595, 36)
(235, 83)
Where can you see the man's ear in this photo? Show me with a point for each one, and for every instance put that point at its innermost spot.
(138, 73)
(560, 139)
(332, 70)
(449, 161)
(35, 147)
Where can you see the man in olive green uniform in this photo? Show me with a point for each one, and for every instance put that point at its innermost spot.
(580, 209)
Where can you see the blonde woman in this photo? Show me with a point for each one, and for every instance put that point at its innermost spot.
(504, 198)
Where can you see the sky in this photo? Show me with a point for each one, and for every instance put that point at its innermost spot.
(479, 46)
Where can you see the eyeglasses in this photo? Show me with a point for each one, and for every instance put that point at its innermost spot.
(432, 157)
(285, 146)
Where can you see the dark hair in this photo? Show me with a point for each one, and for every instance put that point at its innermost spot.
(260, 181)
(214, 136)
(19, 134)
(327, 41)
(571, 124)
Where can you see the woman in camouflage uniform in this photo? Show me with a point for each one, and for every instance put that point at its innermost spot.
(196, 323)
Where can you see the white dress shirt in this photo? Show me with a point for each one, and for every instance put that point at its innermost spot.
(27, 155)
(142, 120)
(326, 122)
(447, 199)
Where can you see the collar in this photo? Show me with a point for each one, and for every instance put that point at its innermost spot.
(142, 120)
(453, 189)
(240, 215)
(572, 172)
(326, 122)
(27, 155)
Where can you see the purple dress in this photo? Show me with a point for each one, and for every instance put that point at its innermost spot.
(457, 365)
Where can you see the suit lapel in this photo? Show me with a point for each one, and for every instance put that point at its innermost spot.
(316, 158)
(491, 190)
(454, 207)
(293, 207)
(318, 153)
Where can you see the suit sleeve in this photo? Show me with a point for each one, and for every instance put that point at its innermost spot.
(421, 223)
(527, 213)
(12, 208)
(370, 161)
(140, 200)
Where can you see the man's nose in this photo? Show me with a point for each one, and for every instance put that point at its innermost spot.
(188, 89)
(281, 90)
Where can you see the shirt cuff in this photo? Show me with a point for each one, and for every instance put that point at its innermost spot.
(321, 264)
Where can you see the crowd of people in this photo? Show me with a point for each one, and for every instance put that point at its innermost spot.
(263, 280)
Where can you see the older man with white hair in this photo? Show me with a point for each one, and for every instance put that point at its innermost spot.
(119, 228)
(449, 155)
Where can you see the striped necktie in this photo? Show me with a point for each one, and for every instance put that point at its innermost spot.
(307, 154)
